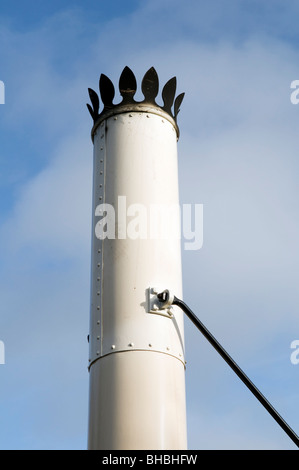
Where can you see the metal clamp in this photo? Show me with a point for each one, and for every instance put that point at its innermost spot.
(159, 302)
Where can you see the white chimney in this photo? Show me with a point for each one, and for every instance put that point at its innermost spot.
(136, 362)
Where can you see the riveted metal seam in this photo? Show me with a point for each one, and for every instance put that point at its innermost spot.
(96, 333)
(104, 133)
(137, 108)
(137, 350)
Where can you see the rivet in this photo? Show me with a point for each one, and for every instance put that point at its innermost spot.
(99, 265)
(101, 160)
(98, 353)
(101, 185)
(98, 308)
(98, 293)
(113, 346)
(98, 279)
(168, 348)
(99, 251)
(98, 322)
(131, 344)
(101, 172)
(102, 149)
(150, 345)
(98, 337)
(115, 118)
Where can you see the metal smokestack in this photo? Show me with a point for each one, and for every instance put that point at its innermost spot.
(136, 362)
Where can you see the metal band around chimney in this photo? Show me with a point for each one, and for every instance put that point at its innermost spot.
(136, 108)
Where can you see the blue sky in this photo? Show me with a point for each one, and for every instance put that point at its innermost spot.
(238, 156)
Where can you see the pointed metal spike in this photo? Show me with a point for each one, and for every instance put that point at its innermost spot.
(168, 94)
(177, 104)
(150, 85)
(127, 85)
(107, 91)
(91, 111)
(94, 101)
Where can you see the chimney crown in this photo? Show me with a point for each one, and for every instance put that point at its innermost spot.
(127, 89)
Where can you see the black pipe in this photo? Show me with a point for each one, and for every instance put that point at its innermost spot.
(235, 368)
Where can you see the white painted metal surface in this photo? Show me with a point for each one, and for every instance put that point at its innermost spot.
(137, 365)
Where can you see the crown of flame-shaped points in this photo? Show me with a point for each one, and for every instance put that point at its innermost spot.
(128, 88)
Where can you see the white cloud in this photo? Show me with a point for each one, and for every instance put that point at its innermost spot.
(54, 208)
